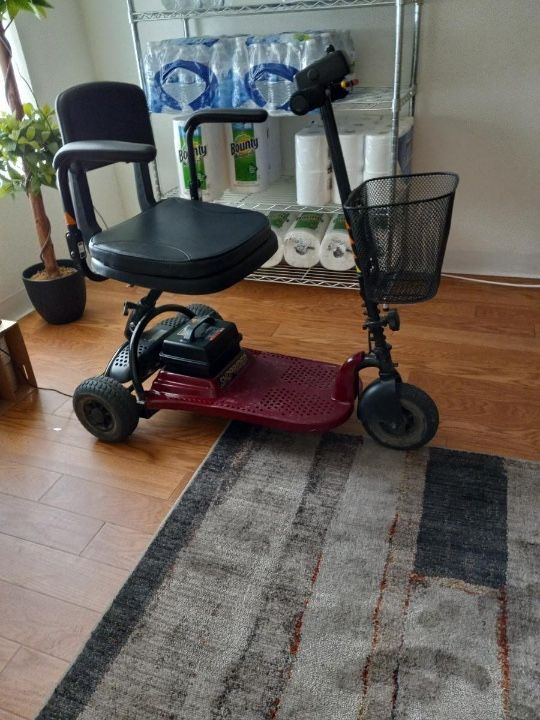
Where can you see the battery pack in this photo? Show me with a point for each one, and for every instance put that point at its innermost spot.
(201, 347)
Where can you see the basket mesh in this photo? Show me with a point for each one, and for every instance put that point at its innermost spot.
(400, 227)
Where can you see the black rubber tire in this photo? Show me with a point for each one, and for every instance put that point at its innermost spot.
(199, 309)
(421, 424)
(106, 409)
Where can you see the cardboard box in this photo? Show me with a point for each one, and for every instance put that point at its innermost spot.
(15, 366)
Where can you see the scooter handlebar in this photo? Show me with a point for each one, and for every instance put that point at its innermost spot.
(321, 78)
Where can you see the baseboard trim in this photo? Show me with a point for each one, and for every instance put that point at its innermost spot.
(15, 306)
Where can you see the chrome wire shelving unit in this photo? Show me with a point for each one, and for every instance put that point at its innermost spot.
(282, 195)
(257, 8)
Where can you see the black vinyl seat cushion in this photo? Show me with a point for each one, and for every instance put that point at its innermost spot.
(179, 244)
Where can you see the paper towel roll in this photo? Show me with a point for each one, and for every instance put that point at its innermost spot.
(313, 169)
(336, 252)
(352, 144)
(249, 156)
(209, 143)
(303, 240)
(280, 223)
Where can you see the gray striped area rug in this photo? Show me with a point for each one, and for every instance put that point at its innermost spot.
(316, 578)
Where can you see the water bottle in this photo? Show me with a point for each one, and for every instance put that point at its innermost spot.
(239, 73)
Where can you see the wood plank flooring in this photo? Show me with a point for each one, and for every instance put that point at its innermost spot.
(75, 515)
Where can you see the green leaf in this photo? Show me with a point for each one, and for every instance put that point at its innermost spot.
(31, 132)
(13, 7)
(6, 188)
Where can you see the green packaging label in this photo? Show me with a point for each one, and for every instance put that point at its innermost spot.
(278, 219)
(339, 223)
(243, 149)
(309, 221)
(201, 152)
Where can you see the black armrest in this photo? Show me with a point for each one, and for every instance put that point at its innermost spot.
(96, 152)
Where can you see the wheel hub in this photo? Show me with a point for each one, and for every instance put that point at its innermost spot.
(98, 415)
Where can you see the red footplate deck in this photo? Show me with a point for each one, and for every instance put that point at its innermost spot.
(275, 390)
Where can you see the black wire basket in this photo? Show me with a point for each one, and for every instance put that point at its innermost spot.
(400, 228)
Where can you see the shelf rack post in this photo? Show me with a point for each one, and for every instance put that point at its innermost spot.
(415, 52)
(140, 69)
(396, 97)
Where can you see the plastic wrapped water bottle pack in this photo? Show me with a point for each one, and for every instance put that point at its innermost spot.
(185, 74)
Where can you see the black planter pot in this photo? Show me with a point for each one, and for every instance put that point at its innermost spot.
(58, 301)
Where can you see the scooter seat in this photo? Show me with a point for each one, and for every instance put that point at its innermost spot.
(184, 246)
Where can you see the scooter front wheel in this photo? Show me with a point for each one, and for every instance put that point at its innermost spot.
(421, 420)
(106, 409)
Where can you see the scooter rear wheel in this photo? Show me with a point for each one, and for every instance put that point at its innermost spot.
(421, 420)
(106, 409)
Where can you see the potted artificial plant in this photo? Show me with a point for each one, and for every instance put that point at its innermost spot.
(29, 139)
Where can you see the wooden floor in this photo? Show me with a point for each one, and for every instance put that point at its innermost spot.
(75, 514)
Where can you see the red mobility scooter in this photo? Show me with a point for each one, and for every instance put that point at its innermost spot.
(398, 228)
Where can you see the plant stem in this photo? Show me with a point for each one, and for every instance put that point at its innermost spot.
(43, 229)
(11, 88)
(13, 97)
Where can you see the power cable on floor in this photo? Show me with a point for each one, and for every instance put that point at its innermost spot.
(491, 282)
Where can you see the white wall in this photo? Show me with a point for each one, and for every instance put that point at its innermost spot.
(57, 55)
(478, 113)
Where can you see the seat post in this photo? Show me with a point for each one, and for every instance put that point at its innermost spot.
(136, 311)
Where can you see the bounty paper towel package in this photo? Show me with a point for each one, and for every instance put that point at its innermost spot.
(313, 168)
(336, 252)
(280, 223)
(248, 156)
(303, 240)
(209, 145)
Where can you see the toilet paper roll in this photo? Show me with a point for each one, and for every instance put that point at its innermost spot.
(313, 169)
(336, 252)
(352, 144)
(280, 222)
(378, 152)
(302, 244)
(378, 147)
(249, 156)
(209, 144)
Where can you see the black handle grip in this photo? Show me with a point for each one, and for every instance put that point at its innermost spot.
(214, 116)
(225, 116)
